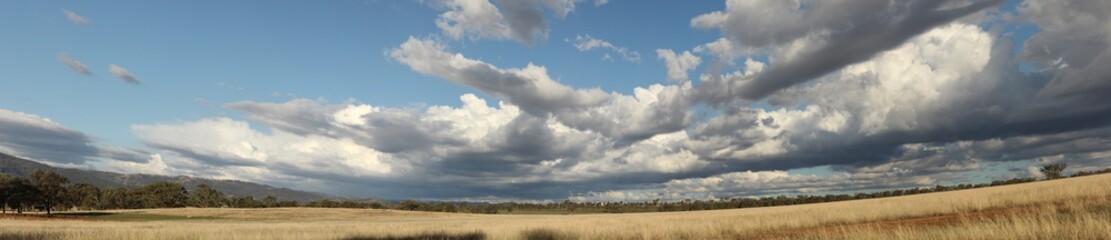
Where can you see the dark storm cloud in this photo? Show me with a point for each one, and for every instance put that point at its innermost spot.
(41, 139)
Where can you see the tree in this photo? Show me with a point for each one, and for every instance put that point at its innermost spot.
(51, 187)
(16, 192)
(121, 198)
(1054, 171)
(245, 202)
(206, 197)
(165, 195)
(410, 205)
(270, 201)
(84, 196)
(7, 187)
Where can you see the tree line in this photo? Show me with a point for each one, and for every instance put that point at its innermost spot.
(49, 191)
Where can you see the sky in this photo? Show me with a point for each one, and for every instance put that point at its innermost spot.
(551, 100)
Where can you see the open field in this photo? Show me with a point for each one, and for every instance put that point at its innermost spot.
(1074, 208)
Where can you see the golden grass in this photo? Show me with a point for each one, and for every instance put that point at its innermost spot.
(1075, 208)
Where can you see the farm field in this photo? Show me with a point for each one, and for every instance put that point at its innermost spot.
(1073, 208)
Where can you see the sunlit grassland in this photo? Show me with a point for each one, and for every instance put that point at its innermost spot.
(1074, 208)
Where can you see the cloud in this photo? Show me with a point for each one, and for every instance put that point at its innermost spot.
(521, 20)
(77, 67)
(923, 99)
(650, 111)
(761, 183)
(808, 39)
(123, 74)
(530, 87)
(445, 152)
(587, 43)
(678, 65)
(1073, 45)
(222, 141)
(76, 19)
(41, 139)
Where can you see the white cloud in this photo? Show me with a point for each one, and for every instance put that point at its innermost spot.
(76, 19)
(353, 114)
(807, 39)
(123, 74)
(222, 142)
(530, 87)
(587, 43)
(522, 20)
(760, 183)
(678, 65)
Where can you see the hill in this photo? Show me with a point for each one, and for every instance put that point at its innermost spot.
(22, 168)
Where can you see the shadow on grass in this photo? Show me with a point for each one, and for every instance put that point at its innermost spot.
(110, 216)
(29, 236)
(426, 236)
(547, 234)
(83, 214)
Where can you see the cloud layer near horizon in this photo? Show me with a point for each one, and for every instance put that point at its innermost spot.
(880, 94)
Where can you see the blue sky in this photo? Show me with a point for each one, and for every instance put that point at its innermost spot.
(223, 51)
(378, 98)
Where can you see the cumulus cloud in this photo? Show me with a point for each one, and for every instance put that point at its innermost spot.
(650, 111)
(123, 74)
(226, 142)
(808, 39)
(678, 65)
(521, 20)
(474, 147)
(587, 43)
(76, 19)
(76, 66)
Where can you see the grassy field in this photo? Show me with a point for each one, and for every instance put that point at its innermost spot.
(1074, 208)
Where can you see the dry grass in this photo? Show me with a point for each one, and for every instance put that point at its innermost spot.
(1075, 208)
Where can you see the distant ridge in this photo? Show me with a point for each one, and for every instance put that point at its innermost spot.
(22, 168)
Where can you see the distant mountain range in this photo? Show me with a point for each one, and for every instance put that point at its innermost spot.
(22, 168)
